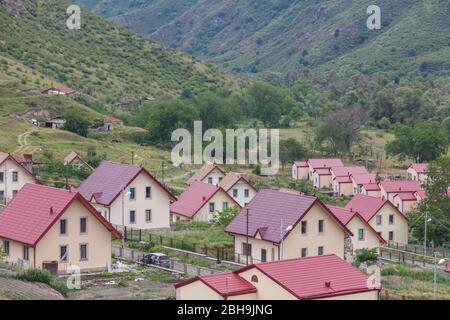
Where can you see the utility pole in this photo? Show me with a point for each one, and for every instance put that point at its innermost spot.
(123, 218)
(162, 171)
(425, 238)
(132, 157)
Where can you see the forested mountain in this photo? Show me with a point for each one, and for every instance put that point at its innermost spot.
(298, 38)
(108, 64)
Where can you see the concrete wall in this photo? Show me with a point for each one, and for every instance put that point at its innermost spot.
(8, 186)
(400, 226)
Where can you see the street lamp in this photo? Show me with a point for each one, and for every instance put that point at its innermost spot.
(436, 263)
(425, 237)
(283, 232)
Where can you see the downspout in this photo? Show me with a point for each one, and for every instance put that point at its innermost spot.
(34, 257)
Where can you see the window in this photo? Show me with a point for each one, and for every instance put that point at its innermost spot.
(148, 215)
(6, 247)
(379, 220)
(132, 216)
(320, 251)
(225, 206)
(321, 226)
(63, 253)
(83, 252)
(220, 179)
(391, 235)
(263, 255)
(148, 192)
(247, 249)
(361, 234)
(2, 195)
(391, 219)
(15, 176)
(14, 193)
(132, 193)
(63, 227)
(246, 193)
(254, 279)
(210, 180)
(304, 252)
(25, 253)
(83, 225)
(235, 193)
(304, 228)
(212, 207)
(1, 177)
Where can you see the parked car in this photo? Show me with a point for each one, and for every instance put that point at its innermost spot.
(446, 245)
(157, 259)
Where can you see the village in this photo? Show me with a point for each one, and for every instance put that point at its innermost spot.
(280, 236)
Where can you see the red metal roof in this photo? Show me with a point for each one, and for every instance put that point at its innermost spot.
(35, 208)
(401, 186)
(420, 167)
(410, 196)
(371, 187)
(368, 206)
(60, 88)
(226, 284)
(195, 197)
(315, 277)
(323, 172)
(109, 179)
(361, 179)
(348, 171)
(325, 163)
(270, 208)
(345, 179)
(301, 164)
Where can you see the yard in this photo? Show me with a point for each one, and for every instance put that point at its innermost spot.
(413, 283)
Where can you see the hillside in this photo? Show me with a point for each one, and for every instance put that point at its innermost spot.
(107, 64)
(276, 38)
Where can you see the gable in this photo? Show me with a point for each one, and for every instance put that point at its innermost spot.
(218, 198)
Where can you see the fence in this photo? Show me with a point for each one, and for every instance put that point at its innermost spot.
(398, 255)
(225, 253)
(175, 265)
(419, 249)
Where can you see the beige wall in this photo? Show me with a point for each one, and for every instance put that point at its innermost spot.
(11, 186)
(197, 291)
(369, 295)
(159, 204)
(370, 238)
(376, 194)
(343, 189)
(16, 254)
(332, 239)
(98, 239)
(321, 181)
(241, 186)
(413, 175)
(405, 206)
(216, 175)
(400, 226)
(218, 199)
(299, 173)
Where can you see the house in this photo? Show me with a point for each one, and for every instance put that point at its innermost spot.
(58, 90)
(314, 278)
(320, 171)
(54, 229)
(359, 180)
(128, 195)
(389, 189)
(300, 170)
(55, 123)
(406, 202)
(208, 173)
(14, 174)
(109, 123)
(382, 216)
(371, 189)
(282, 225)
(341, 179)
(238, 187)
(200, 202)
(74, 159)
(364, 236)
(418, 172)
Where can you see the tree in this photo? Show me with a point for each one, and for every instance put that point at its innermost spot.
(216, 111)
(76, 123)
(291, 150)
(424, 142)
(436, 205)
(93, 158)
(225, 217)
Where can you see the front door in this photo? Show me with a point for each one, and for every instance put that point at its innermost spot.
(263, 255)
(52, 267)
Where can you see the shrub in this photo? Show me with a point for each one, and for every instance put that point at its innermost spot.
(366, 255)
(35, 275)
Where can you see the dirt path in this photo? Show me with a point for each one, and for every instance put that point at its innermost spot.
(22, 140)
(28, 290)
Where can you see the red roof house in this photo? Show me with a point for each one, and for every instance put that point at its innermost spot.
(342, 181)
(312, 278)
(325, 163)
(32, 222)
(201, 201)
(58, 90)
(389, 189)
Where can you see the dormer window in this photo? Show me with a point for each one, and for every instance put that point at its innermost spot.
(255, 279)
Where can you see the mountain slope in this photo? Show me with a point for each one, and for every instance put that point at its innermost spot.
(298, 36)
(103, 61)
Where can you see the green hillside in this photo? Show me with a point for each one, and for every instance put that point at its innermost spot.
(279, 37)
(109, 65)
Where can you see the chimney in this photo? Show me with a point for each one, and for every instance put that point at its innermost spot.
(328, 284)
(51, 210)
(204, 198)
(28, 158)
